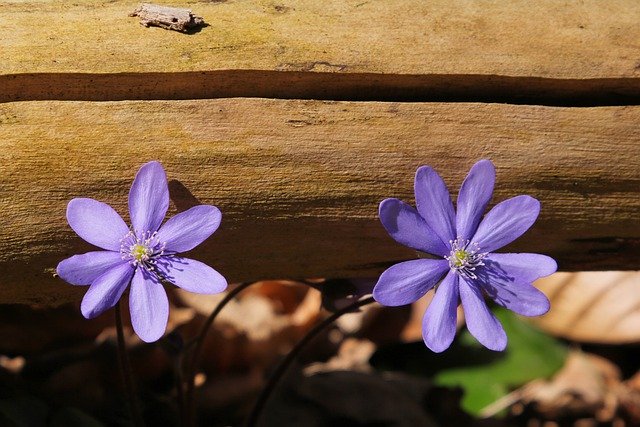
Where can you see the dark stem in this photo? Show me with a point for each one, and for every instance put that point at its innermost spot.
(125, 368)
(199, 346)
(280, 370)
(180, 387)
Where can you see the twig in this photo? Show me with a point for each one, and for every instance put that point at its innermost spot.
(197, 352)
(180, 386)
(125, 368)
(280, 370)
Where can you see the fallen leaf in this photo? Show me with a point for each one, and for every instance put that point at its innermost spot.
(347, 398)
(629, 398)
(254, 329)
(597, 307)
(485, 375)
(285, 295)
(228, 390)
(12, 364)
(262, 310)
(582, 387)
(353, 355)
(588, 387)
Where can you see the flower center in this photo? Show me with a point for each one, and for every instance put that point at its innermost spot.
(465, 257)
(141, 253)
(459, 257)
(141, 249)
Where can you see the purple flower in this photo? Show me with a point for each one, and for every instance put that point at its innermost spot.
(463, 245)
(144, 255)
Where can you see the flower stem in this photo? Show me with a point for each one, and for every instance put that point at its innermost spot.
(180, 386)
(199, 346)
(125, 368)
(281, 369)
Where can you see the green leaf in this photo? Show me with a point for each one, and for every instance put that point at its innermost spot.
(530, 354)
(484, 375)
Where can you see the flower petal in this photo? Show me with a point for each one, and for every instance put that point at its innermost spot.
(96, 222)
(84, 269)
(148, 198)
(474, 196)
(408, 281)
(106, 290)
(507, 278)
(149, 306)
(439, 321)
(188, 229)
(521, 298)
(521, 267)
(507, 221)
(406, 226)
(434, 203)
(191, 275)
(480, 321)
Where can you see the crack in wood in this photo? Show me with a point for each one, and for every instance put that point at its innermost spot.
(336, 86)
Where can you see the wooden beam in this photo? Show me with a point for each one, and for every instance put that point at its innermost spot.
(299, 182)
(543, 52)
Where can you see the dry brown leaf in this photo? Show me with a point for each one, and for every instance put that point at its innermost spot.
(630, 398)
(256, 328)
(262, 310)
(589, 388)
(226, 390)
(351, 323)
(353, 355)
(598, 307)
(12, 364)
(352, 398)
(583, 386)
(285, 295)
(634, 382)
(587, 385)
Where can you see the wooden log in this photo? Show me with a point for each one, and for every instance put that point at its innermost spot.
(299, 182)
(528, 52)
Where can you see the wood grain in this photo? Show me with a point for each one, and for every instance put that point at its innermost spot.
(52, 49)
(299, 181)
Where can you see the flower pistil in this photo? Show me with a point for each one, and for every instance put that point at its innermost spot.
(141, 249)
(465, 257)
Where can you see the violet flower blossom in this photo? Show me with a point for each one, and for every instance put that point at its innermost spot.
(463, 245)
(143, 255)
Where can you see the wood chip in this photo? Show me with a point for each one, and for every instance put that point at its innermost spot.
(169, 18)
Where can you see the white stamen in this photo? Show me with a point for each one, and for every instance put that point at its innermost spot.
(465, 257)
(142, 249)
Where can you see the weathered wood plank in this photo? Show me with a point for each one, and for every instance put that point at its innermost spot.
(49, 47)
(579, 39)
(299, 181)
